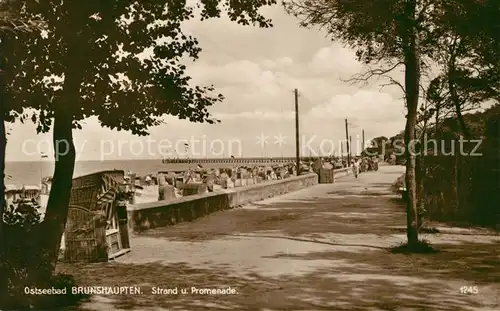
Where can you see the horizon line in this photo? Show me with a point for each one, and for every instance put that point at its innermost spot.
(194, 159)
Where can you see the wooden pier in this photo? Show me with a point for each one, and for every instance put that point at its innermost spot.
(256, 160)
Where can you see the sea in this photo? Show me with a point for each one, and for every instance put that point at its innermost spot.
(31, 173)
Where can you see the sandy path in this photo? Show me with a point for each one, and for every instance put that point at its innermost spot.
(321, 248)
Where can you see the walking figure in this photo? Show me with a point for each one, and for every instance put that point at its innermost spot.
(355, 168)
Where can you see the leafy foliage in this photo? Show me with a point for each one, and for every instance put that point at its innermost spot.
(123, 61)
(19, 255)
(10, 24)
(23, 213)
(468, 72)
(476, 24)
(13, 23)
(477, 180)
(120, 60)
(465, 32)
(371, 27)
(379, 141)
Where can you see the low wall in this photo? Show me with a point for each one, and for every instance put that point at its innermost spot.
(341, 172)
(166, 213)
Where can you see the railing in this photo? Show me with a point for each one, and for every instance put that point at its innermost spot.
(235, 160)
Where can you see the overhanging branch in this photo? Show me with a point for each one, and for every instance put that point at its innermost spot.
(366, 76)
(392, 82)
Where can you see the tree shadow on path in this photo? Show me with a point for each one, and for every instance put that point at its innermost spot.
(354, 281)
(352, 270)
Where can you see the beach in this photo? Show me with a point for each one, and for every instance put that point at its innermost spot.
(30, 173)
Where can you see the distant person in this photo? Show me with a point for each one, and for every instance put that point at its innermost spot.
(148, 180)
(375, 163)
(327, 165)
(317, 165)
(230, 183)
(255, 173)
(392, 159)
(223, 179)
(162, 179)
(362, 165)
(166, 191)
(209, 180)
(355, 168)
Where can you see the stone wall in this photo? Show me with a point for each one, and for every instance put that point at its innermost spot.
(341, 172)
(166, 213)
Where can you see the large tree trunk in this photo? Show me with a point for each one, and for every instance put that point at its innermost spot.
(31, 261)
(419, 177)
(3, 147)
(455, 98)
(458, 108)
(412, 81)
(60, 192)
(455, 200)
(56, 214)
(3, 141)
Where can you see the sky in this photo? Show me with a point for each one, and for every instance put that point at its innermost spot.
(257, 71)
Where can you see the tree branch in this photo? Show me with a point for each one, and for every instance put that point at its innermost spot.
(392, 82)
(364, 77)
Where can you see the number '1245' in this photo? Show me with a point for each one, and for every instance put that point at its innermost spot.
(469, 290)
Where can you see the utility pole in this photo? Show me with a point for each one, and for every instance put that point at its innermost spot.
(297, 140)
(347, 143)
(341, 152)
(363, 145)
(350, 149)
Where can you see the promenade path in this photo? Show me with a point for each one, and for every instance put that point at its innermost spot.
(321, 248)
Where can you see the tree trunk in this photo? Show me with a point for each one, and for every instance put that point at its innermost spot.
(454, 96)
(412, 81)
(455, 201)
(60, 192)
(3, 147)
(436, 126)
(458, 111)
(3, 141)
(419, 177)
(38, 249)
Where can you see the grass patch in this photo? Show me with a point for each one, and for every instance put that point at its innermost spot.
(429, 230)
(425, 230)
(399, 183)
(373, 193)
(422, 247)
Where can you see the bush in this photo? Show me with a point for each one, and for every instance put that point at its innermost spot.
(422, 247)
(24, 265)
(399, 183)
(64, 283)
(23, 213)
